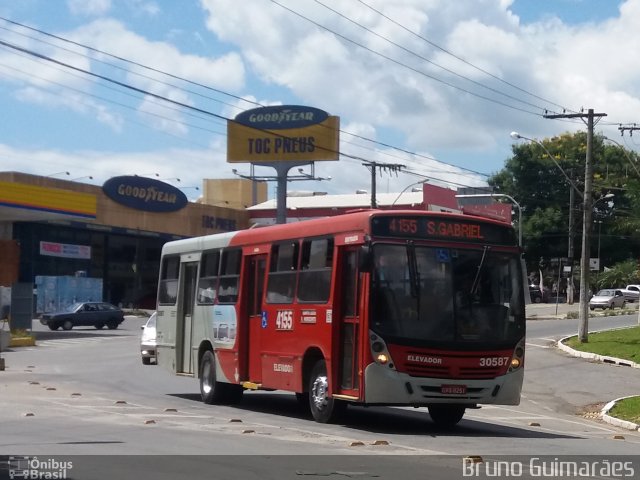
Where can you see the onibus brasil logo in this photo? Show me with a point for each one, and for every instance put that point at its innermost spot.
(38, 469)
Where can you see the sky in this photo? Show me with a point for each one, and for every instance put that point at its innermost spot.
(434, 85)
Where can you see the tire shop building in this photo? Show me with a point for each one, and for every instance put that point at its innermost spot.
(51, 227)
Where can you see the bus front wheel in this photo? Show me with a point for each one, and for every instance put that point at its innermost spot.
(210, 388)
(446, 415)
(324, 409)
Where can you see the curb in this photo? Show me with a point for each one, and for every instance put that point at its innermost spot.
(22, 342)
(616, 421)
(595, 356)
(604, 413)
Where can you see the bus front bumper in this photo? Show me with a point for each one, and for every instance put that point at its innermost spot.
(385, 386)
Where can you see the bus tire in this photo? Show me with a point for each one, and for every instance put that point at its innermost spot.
(324, 409)
(210, 389)
(445, 415)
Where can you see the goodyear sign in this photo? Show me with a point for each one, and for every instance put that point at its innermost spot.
(283, 133)
(142, 193)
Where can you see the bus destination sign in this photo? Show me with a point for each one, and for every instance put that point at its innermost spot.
(442, 229)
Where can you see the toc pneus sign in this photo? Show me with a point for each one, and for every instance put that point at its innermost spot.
(143, 193)
(283, 133)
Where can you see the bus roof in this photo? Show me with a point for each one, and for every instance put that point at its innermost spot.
(359, 221)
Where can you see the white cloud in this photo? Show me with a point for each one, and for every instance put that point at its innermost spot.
(145, 7)
(89, 7)
(101, 165)
(573, 66)
(405, 99)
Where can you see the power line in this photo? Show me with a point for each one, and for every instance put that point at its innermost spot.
(421, 57)
(444, 50)
(122, 59)
(397, 62)
(102, 52)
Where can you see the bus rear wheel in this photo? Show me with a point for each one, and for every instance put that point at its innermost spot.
(324, 409)
(445, 415)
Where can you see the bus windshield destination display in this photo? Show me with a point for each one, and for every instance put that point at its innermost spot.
(442, 228)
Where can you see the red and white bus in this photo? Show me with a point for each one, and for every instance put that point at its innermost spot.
(368, 308)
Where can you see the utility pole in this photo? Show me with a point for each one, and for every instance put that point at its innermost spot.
(373, 166)
(570, 251)
(583, 328)
(631, 129)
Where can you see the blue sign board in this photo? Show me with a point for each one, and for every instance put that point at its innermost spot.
(280, 117)
(142, 193)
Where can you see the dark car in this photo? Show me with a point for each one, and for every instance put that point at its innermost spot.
(87, 314)
(538, 296)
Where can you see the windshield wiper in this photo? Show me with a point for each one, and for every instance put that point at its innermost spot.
(476, 281)
(414, 274)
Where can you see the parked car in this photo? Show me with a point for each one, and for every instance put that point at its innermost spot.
(631, 293)
(537, 295)
(607, 298)
(148, 340)
(91, 314)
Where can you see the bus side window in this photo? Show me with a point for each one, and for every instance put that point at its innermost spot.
(229, 276)
(208, 281)
(281, 283)
(168, 285)
(315, 275)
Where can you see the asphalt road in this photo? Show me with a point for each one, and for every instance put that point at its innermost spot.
(86, 392)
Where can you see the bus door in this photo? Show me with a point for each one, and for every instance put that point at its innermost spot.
(348, 378)
(186, 296)
(250, 355)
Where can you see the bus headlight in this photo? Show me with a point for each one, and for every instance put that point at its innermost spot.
(382, 358)
(379, 351)
(517, 359)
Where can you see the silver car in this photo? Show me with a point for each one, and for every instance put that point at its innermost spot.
(148, 340)
(607, 298)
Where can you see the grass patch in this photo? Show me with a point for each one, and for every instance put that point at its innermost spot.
(627, 409)
(623, 343)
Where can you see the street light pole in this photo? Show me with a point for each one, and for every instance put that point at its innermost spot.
(573, 188)
(421, 182)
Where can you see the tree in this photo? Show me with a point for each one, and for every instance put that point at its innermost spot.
(543, 191)
(620, 275)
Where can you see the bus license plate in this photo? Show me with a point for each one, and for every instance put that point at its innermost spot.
(453, 389)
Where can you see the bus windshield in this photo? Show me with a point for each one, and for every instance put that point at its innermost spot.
(446, 296)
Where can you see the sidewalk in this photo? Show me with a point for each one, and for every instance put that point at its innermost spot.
(538, 311)
(546, 311)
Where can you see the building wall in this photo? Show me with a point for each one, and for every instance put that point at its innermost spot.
(193, 220)
(233, 193)
(124, 242)
(9, 260)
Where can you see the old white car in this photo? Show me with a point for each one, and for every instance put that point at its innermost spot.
(607, 298)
